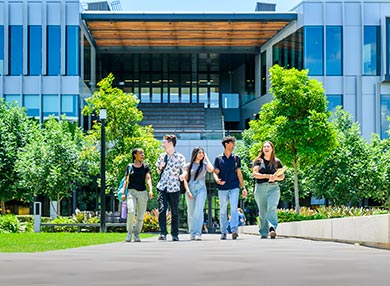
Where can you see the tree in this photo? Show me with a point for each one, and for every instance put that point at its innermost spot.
(16, 130)
(296, 121)
(123, 133)
(50, 164)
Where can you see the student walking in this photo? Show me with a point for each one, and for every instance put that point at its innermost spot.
(228, 175)
(195, 174)
(267, 191)
(137, 174)
(170, 165)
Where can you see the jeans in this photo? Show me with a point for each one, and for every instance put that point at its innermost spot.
(224, 197)
(267, 197)
(195, 208)
(164, 198)
(136, 206)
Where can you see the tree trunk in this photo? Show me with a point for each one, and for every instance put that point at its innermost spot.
(296, 188)
(2, 207)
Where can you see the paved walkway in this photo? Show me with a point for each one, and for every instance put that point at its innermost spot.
(246, 261)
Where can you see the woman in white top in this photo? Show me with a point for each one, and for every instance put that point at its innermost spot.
(195, 174)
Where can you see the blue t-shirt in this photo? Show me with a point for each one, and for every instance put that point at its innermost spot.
(227, 171)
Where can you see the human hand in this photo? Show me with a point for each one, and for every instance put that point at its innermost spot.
(220, 182)
(123, 197)
(190, 196)
(272, 178)
(244, 193)
(150, 194)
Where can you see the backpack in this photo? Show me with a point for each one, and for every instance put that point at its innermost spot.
(122, 182)
(219, 159)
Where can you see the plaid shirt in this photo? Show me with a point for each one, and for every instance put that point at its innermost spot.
(170, 177)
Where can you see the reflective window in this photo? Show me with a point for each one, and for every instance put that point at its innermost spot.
(156, 95)
(1, 50)
(34, 50)
(387, 46)
(53, 50)
(263, 73)
(371, 50)
(203, 96)
(230, 100)
(87, 62)
(174, 94)
(385, 113)
(145, 95)
(334, 50)
(50, 105)
(70, 105)
(72, 50)
(313, 50)
(288, 52)
(333, 101)
(12, 97)
(185, 95)
(16, 50)
(31, 103)
(214, 97)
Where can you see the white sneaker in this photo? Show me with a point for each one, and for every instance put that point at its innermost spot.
(197, 237)
(128, 237)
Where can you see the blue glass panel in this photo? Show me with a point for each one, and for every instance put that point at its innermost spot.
(371, 50)
(34, 50)
(230, 100)
(69, 105)
(1, 49)
(31, 103)
(385, 113)
(334, 50)
(12, 97)
(333, 101)
(72, 50)
(50, 105)
(16, 50)
(53, 50)
(314, 50)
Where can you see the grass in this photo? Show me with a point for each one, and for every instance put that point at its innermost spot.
(39, 242)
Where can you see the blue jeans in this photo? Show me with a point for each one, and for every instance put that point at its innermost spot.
(267, 197)
(195, 207)
(224, 197)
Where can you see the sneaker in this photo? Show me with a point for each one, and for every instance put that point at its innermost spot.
(162, 237)
(128, 237)
(263, 236)
(175, 238)
(197, 237)
(136, 238)
(234, 235)
(192, 237)
(223, 236)
(272, 232)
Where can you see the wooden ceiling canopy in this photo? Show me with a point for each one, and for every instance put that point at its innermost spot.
(184, 30)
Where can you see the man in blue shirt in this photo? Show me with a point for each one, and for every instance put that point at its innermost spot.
(228, 175)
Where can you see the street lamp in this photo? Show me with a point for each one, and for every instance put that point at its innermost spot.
(103, 117)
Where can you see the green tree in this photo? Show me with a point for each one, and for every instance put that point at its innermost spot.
(16, 131)
(50, 164)
(296, 121)
(345, 176)
(123, 133)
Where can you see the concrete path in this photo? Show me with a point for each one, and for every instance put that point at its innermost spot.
(246, 261)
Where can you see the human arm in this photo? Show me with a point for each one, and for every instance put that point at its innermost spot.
(148, 179)
(209, 166)
(241, 181)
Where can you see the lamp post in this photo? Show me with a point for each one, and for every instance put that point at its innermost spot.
(103, 117)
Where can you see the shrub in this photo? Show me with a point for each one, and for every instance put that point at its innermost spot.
(9, 224)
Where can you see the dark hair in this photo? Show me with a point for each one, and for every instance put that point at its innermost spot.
(228, 139)
(171, 138)
(135, 151)
(195, 153)
(273, 158)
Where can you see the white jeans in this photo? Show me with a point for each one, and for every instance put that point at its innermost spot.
(136, 207)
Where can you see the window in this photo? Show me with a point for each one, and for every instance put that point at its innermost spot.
(185, 94)
(387, 47)
(31, 103)
(69, 105)
(313, 50)
(87, 62)
(145, 95)
(214, 97)
(72, 50)
(230, 100)
(16, 50)
(34, 50)
(12, 97)
(174, 94)
(1, 50)
(371, 50)
(334, 50)
(385, 113)
(333, 101)
(203, 98)
(263, 73)
(53, 50)
(50, 105)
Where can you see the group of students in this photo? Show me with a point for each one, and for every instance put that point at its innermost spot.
(173, 169)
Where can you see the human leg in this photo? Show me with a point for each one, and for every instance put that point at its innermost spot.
(162, 212)
(131, 204)
(273, 196)
(173, 200)
(190, 212)
(223, 203)
(142, 201)
(233, 197)
(261, 201)
(198, 215)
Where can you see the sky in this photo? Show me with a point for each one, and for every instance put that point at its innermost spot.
(203, 5)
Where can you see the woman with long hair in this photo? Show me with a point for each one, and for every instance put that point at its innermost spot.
(195, 174)
(267, 191)
(137, 176)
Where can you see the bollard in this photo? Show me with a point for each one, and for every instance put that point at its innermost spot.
(37, 210)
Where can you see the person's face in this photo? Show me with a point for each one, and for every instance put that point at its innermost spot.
(267, 149)
(200, 155)
(230, 146)
(139, 156)
(166, 144)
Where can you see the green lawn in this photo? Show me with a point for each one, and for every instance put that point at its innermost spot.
(38, 242)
